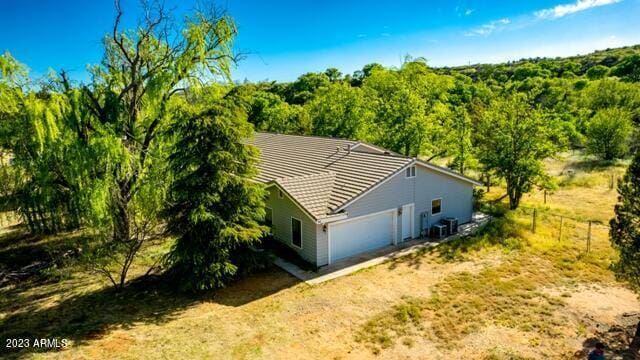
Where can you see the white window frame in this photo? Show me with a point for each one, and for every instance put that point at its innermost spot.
(441, 202)
(411, 170)
(301, 237)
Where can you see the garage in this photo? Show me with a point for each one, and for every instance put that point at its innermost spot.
(361, 234)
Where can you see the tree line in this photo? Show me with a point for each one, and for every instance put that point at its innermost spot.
(153, 144)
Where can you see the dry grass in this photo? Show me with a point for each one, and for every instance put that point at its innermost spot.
(403, 320)
(504, 294)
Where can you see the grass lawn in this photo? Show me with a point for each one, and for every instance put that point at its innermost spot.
(504, 294)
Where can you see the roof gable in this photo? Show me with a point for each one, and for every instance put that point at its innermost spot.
(323, 174)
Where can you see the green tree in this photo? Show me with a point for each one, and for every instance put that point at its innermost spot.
(129, 103)
(333, 74)
(215, 204)
(597, 72)
(608, 133)
(528, 70)
(341, 111)
(628, 68)
(625, 235)
(412, 111)
(625, 226)
(401, 121)
(514, 139)
(305, 88)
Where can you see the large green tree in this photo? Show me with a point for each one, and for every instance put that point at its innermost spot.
(608, 133)
(341, 111)
(215, 206)
(128, 104)
(625, 235)
(625, 226)
(514, 138)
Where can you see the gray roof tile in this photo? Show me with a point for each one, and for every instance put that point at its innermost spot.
(320, 173)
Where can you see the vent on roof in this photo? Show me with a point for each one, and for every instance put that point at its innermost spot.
(349, 149)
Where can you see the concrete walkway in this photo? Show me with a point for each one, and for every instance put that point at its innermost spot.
(379, 256)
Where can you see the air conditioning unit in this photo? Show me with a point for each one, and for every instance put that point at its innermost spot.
(439, 231)
(452, 224)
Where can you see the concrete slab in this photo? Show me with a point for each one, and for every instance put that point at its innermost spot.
(379, 256)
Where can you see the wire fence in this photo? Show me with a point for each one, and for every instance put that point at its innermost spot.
(562, 227)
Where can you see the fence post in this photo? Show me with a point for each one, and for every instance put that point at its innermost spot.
(589, 238)
(535, 218)
(611, 183)
(545, 196)
(561, 223)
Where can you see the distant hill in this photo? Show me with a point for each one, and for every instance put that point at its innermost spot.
(602, 62)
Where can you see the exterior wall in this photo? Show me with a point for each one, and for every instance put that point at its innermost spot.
(322, 244)
(456, 194)
(394, 193)
(282, 211)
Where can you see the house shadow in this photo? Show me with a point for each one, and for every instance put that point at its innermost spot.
(150, 300)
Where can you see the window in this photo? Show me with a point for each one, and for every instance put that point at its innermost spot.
(436, 206)
(296, 232)
(268, 216)
(280, 194)
(410, 172)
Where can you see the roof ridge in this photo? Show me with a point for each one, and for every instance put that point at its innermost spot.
(308, 136)
(391, 154)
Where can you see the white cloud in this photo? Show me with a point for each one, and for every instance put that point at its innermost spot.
(566, 9)
(489, 27)
(468, 12)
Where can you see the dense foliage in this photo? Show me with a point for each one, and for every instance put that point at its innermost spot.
(214, 206)
(514, 138)
(625, 226)
(154, 138)
(95, 154)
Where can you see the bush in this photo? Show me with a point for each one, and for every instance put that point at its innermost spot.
(608, 133)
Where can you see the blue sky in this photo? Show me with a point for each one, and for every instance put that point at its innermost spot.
(285, 38)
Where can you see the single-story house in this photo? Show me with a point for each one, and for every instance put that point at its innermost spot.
(330, 198)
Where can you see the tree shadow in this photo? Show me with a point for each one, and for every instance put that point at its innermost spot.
(17, 233)
(613, 349)
(413, 260)
(30, 248)
(147, 300)
(588, 165)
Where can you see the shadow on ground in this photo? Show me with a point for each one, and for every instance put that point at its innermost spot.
(588, 165)
(18, 248)
(92, 315)
(499, 232)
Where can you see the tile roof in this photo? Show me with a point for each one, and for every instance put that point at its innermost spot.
(320, 173)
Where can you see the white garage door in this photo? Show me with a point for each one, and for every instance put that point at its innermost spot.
(360, 234)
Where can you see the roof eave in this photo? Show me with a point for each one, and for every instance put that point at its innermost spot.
(448, 172)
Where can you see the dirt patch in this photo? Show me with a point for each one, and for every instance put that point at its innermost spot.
(607, 314)
(498, 342)
(604, 303)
